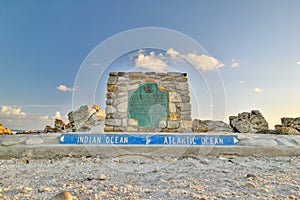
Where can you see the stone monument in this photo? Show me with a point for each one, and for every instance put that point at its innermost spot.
(148, 102)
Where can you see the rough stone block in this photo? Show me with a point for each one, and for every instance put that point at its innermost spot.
(123, 88)
(122, 79)
(119, 129)
(122, 107)
(185, 98)
(181, 79)
(112, 80)
(124, 123)
(186, 124)
(173, 73)
(174, 97)
(174, 116)
(109, 102)
(112, 88)
(119, 100)
(131, 129)
(120, 94)
(172, 107)
(113, 74)
(135, 74)
(167, 78)
(133, 122)
(119, 115)
(133, 87)
(110, 95)
(108, 128)
(113, 122)
(110, 109)
(173, 124)
(121, 73)
(162, 123)
(182, 86)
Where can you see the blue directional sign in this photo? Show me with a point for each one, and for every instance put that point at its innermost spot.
(146, 139)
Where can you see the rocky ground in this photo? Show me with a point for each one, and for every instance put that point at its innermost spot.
(137, 177)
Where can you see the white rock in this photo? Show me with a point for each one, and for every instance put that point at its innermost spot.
(133, 122)
(174, 97)
(110, 110)
(122, 107)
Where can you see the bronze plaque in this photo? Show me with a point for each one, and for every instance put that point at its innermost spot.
(148, 105)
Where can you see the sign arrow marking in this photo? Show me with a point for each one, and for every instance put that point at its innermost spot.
(235, 140)
(62, 138)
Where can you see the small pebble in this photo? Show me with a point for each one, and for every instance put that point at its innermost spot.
(251, 176)
(63, 196)
(102, 177)
(250, 185)
(204, 161)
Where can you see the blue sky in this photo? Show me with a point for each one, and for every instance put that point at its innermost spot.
(44, 43)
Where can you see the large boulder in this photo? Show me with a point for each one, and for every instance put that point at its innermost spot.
(81, 120)
(59, 125)
(4, 131)
(49, 129)
(85, 118)
(246, 122)
(201, 126)
(198, 126)
(285, 130)
(291, 122)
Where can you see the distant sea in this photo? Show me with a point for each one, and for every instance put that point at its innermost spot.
(22, 131)
(17, 131)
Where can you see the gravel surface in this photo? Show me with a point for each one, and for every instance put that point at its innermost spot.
(137, 177)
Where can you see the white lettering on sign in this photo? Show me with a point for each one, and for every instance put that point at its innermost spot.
(89, 140)
(212, 141)
(116, 140)
(179, 140)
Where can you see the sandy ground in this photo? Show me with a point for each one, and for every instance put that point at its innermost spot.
(137, 177)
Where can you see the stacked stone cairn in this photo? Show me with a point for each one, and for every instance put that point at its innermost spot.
(121, 84)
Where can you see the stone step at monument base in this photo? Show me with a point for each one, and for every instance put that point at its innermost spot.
(59, 151)
(171, 145)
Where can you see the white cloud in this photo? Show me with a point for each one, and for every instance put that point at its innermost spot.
(64, 88)
(172, 52)
(152, 61)
(242, 82)
(204, 62)
(258, 90)
(12, 111)
(298, 63)
(174, 55)
(234, 63)
(158, 62)
(14, 117)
